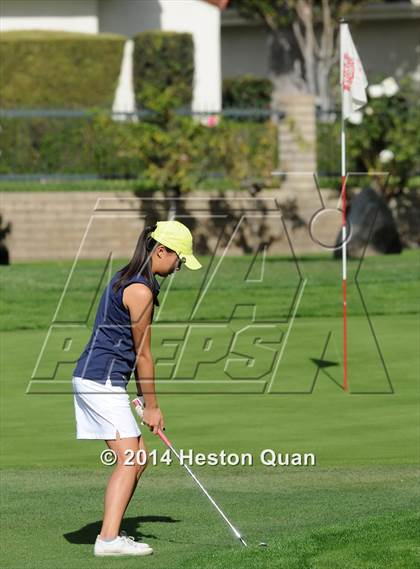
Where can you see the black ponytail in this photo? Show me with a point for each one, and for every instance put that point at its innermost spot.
(140, 263)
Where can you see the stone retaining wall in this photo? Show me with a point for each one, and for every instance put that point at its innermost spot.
(62, 225)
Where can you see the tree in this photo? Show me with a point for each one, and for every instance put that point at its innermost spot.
(314, 26)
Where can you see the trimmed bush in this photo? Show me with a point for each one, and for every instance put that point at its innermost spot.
(247, 91)
(93, 145)
(58, 69)
(163, 70)
(182, 156)
(46, 145)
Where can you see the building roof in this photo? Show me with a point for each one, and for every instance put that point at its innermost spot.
(221, 4)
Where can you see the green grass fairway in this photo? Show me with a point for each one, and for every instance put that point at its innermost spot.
(356, 508)
(326, 518)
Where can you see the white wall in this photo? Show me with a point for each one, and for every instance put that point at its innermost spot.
(202, 20)
(63, 15)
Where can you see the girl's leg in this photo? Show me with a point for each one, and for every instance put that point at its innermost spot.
(121, 485)
(144, 458)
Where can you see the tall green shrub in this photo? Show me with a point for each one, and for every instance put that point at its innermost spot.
(163, 70)
(58, 69)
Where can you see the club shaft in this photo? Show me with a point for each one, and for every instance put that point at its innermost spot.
(139, 405)
(194, 477)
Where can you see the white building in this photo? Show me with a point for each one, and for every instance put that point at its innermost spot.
(387, 35)
(201, 18)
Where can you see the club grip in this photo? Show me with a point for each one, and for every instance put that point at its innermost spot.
(138, 403)
(139, 406)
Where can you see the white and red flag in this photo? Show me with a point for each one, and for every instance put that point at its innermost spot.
(352, 76)
(353, 97)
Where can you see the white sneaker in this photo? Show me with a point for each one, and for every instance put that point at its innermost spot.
(124, 534)
(122, 545)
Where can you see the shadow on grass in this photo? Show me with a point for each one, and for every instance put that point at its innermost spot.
(89, 532)
(321, 367)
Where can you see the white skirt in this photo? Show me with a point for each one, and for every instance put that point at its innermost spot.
(102, 410)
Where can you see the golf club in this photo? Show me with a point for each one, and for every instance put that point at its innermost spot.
(138, 404)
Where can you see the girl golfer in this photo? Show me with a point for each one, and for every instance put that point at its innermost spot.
(118, 346)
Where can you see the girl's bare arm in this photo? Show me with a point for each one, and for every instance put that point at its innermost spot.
(138, 299)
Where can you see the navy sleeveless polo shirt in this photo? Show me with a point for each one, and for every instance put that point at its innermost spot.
(110, 351)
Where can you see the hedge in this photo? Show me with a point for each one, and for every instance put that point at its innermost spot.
(96, 145)
(110, 149)
(163, 69)
(247, 91)
(58, 69)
